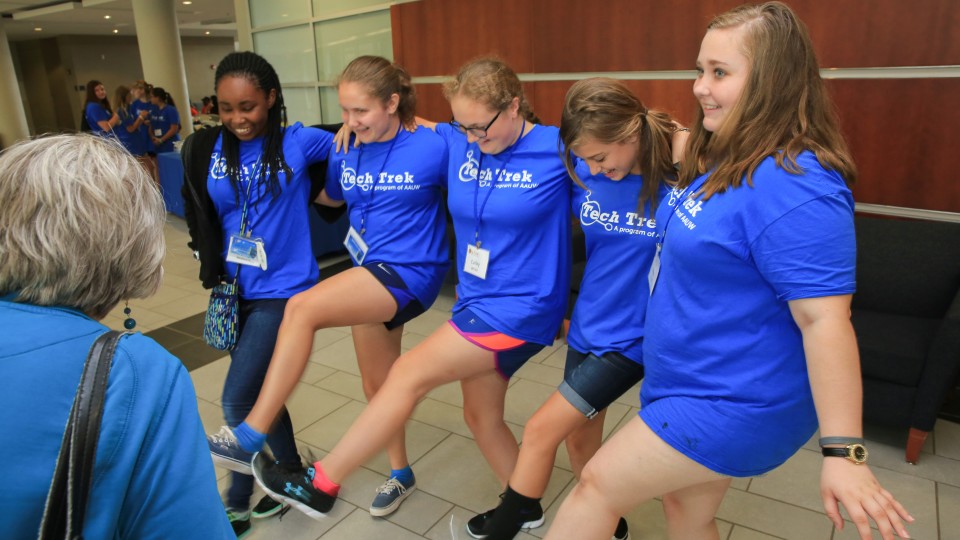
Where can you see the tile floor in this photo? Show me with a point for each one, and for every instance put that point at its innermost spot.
(453, 479)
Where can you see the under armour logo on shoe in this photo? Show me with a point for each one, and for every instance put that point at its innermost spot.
(297, 492)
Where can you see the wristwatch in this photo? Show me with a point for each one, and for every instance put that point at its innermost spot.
(856, 453)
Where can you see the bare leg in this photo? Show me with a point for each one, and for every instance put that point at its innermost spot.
(544, 432)
(445, 356)
(351, 297)
(377, 349)
(483, 403)
(634, 466)
(691, 512)
(584, 442)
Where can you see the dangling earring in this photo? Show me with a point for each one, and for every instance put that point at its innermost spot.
(129, 323)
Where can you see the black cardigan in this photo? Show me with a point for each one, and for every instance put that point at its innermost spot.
(203, 223)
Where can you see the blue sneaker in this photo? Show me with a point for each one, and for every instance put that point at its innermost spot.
(292, 485)
(226, 451)
(390, 495)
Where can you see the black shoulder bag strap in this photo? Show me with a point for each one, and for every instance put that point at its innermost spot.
(66, 505)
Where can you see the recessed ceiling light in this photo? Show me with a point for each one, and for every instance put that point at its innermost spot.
(207, 33)
(187, 2)
(106, 16)
(115, 31)
(37, 29)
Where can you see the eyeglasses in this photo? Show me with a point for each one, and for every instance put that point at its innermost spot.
(479, 133)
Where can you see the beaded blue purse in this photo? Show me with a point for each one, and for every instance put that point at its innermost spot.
(221, 324)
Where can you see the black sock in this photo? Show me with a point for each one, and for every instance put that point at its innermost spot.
(510, 515)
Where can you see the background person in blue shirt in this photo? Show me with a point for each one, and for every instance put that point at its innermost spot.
(509, 196)
(392, 187)
(79, 202)
(164, 121)
(620, 155)
(129, 129)
(748, 341)
(141, 92)
(255, 166)
(96, 109)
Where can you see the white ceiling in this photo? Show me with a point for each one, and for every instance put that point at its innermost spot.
(88, 18)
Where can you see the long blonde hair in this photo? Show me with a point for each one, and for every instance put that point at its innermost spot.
(783, 110)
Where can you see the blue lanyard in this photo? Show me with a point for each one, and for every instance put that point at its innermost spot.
(373, 187)
(478, 215)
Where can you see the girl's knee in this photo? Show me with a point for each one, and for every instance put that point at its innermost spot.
(541, 434)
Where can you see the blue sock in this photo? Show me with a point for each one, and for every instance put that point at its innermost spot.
(250, 439)
(404, 475)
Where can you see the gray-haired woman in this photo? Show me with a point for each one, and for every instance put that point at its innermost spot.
(81, 230)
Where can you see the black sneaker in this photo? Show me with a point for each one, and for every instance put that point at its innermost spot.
(623, 533)
(292, 485)
(240, 521)
(268, 507)
(479, 525)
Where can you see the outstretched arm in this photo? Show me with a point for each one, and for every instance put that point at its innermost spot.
(834, 369)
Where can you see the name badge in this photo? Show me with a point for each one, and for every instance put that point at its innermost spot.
(477, 261)
(247, 251)
(654, 269)
(355, 245)
(158, 133)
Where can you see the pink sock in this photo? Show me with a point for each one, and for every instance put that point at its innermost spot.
(321, 482)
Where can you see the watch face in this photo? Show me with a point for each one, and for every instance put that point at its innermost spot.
(857, 453)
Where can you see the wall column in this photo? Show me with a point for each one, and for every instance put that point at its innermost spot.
(161, 54)
(13, 119)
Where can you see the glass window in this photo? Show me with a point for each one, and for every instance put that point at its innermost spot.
(302, 106)
(341, 40)
(264, 12)
(330, 104)
(289, 51)
(326, 8)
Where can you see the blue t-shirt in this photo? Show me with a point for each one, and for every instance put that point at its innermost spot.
(130, 141)
(722, 349)
(96, 113)
(160, 122)
(621, 241)
(402, 216)
(523, 207)
(280, 220)
(144, 132)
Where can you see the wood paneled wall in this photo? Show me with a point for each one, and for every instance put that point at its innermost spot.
(900, 130)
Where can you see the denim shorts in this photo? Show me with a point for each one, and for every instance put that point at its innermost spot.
(591, 383)
(408, 307)
(509, 353)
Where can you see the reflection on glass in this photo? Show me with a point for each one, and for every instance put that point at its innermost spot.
(341, 40)
(302, 106)
(289, 51)
(326, 8)
(264, 12)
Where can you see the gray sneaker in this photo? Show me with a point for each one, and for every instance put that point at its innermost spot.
(390, 495)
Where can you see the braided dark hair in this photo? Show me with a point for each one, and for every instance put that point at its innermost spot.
(258, 71)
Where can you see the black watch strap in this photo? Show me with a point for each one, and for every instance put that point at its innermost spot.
(856, 453)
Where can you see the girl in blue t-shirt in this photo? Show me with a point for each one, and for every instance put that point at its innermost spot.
(130, 122)
(748, 343)
(97, 112)
(508, 195)
(255, 190)
(141, 94)
(620, 155)
(397, 241)
(164, 121)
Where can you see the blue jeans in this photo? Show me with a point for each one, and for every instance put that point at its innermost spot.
(249, 360)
